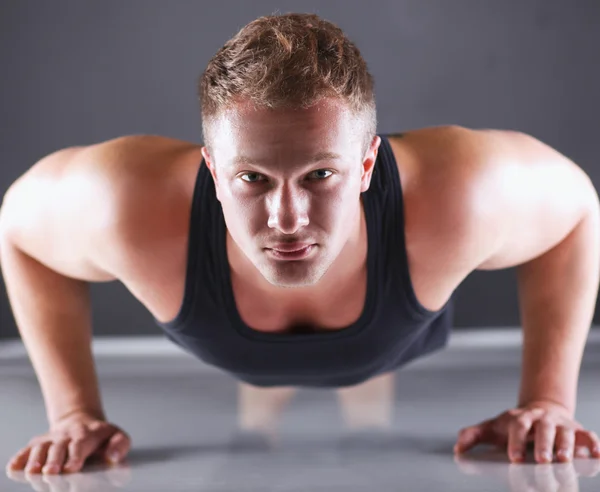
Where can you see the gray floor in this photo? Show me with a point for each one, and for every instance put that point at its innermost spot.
(183, 421)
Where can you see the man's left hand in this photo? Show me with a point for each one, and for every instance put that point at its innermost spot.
(547, 425)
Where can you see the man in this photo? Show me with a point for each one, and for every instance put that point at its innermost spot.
(299, 248)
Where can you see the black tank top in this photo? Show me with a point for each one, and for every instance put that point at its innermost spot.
(393, 329)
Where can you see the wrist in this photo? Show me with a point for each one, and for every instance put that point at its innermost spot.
(75, 412)
(549, 405)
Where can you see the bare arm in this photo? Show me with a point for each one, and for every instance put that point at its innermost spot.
(47, 268)
(68, 221)
(52, 312)
(541, 213)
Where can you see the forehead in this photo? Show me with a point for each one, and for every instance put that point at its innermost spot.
(326, 131)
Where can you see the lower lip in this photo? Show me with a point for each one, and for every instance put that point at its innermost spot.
(292, 255)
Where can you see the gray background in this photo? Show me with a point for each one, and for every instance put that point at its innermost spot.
(75, 73)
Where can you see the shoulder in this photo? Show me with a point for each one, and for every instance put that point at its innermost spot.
(142, 176)
(113, 178)
(451, 193)
(439, 169)
(151, 180)
(135, 155)
(146, 189)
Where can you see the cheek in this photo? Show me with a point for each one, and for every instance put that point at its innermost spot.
(331, 211)
(243, 215)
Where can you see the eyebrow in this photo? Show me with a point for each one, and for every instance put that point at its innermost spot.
(242, 160)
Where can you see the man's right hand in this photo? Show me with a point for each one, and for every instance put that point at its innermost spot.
(69, 442)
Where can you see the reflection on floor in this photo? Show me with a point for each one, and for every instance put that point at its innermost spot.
(391, 434)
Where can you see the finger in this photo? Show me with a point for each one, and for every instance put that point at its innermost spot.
(518, 429)
(82, 449)
(118, 446)
(468, 438)
(101, 433)
(37, 457)
(545, 433)
(78, 452)
(19, 460)
(581, 452)
(589, 440)
(56, 457)
(565, 442)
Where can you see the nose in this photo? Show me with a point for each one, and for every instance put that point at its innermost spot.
(288, 209)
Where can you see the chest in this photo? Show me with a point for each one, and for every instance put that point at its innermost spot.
(321, 312)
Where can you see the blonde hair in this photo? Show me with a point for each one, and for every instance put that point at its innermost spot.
(288, 61)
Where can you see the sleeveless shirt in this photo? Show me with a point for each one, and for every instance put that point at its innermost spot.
(392, 330)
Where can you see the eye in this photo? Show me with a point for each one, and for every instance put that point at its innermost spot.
(321, 177)
(253, 177)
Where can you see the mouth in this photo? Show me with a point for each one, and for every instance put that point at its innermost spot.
(297, 254)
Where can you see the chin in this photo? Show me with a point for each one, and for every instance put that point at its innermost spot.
(292, 275)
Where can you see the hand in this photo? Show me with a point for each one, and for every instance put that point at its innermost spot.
(69, 442)
(548, 425)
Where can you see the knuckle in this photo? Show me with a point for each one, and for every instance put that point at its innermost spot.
(120, 437)
(34, 441)
(78, 428)
(56, 453)
(76, 459)
(79, 440)
(35, 451)
(24, 451)
(98, 425)
(522, 423)
(32, 462)
(37, 448)
(74, 453)
(61, 442)
(124, 442)
(76, 448)
(79, 435)
(566, 432)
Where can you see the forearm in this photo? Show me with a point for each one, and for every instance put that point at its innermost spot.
(557, 297)
(54, 319)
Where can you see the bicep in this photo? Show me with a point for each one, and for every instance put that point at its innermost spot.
(55, 213)
(538, 197)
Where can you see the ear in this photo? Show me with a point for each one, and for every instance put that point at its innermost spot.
(368, 165)
(211, 167)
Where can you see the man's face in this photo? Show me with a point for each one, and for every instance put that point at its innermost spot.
(273, 193)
